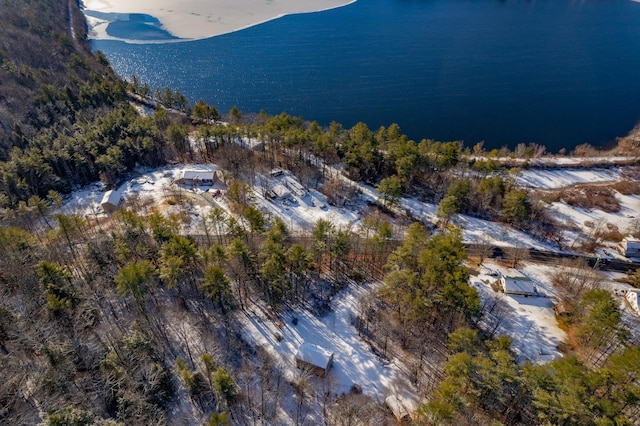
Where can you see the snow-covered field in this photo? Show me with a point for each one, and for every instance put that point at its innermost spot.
(528, 320)
(560, 178)
(304, 207)
(589, 221)
(194, 19)
(151, 184)
(354, 362)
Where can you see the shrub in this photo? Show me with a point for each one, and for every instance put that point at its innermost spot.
(611, 233)
(627, 187)
(590, 197)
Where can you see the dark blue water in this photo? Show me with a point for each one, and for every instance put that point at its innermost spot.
(555, 72)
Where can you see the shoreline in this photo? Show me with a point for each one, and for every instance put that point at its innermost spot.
(196, 21)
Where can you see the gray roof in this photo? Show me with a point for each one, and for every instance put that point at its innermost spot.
(281, 191)
(517, 284)
(198, 174)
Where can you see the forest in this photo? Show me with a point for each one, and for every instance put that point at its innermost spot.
(130, 320)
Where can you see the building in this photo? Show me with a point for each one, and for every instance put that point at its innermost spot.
(632, 298)
(295, 186)
(110, 201)
(314, 358)
(629, 247)
(399, 409)
(516, 284)
(281, 192)
(562, 309)
(196, 177)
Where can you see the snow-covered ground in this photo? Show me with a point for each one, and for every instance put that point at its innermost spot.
(560, 178)
(581, 223)
(474, 230)
(354, 362)
(528, 320)
(562, 161)
(150, 183)
(196, 19)
(587, 222)
(304, 207)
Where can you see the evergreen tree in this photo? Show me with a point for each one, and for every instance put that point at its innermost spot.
(516, 208)
(391, 190)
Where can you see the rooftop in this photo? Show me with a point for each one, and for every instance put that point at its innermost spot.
(198, 174)
(111, 197)
(314, 355)
(517, 284)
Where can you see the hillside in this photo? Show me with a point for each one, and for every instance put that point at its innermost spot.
(46, 71)
(60, 106)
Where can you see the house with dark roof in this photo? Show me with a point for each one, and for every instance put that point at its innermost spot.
(629, 247)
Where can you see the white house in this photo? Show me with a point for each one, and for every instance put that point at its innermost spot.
(315, 358)
(110, 201)
(629, 247)
(516, 284)
(632, 298)
(197, 177)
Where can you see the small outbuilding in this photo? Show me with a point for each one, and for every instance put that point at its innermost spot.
(633, 299)
(110, 201)
(196, 177)
(314, 358)
(516, 284)
(562, 309)
(399, 409)
(629, 247)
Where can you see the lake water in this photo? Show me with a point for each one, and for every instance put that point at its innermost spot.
(556, 72)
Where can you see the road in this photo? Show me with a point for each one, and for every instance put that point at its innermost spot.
(553, 258)
(496, 252)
